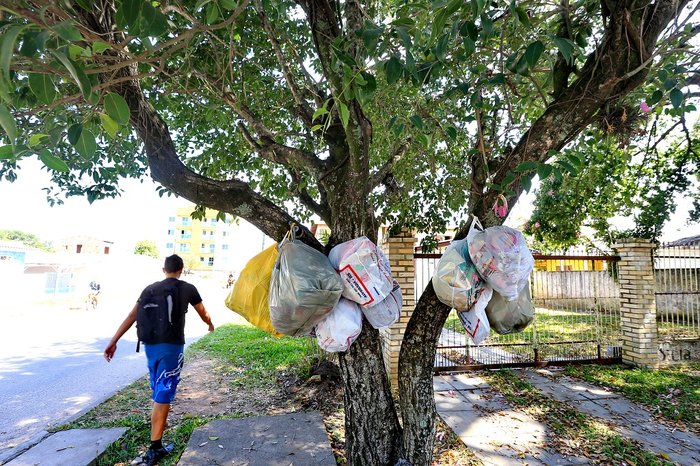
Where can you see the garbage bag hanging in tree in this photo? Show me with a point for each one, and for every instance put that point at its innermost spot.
(510, 316)
(364, 270)
(474, 321)
(303, 290)
(456, 281)
(501, 257)
(387, 311)
(340, 328)
(250, 294)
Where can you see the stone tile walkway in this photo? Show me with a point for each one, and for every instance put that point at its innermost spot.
(500, 435)
(628, 419)
(486, 424)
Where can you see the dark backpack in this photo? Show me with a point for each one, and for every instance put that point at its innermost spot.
(158, 319)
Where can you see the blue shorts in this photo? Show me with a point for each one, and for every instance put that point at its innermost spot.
(164, 366)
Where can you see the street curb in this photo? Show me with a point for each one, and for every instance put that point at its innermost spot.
(14, 452)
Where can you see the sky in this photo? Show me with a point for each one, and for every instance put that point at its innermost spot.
(140, 214)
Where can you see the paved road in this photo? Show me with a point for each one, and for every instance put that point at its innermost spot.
(51, 364)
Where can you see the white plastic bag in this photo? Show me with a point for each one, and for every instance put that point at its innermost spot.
(474, 320)
(510, 316)
(387, 311)
(340, 328)
(501, 257)
(303, 289)
(456, 281)
(364, 270)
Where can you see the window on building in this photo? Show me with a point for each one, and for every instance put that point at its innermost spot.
(211, 261)
(106, 249)
(224, 234)
(212, 248)
(201, 259)
(78, 248)
(211, 233)
(186, 221)
(224, 247)
(168, 245)
(184, 247)
(171, 219)
(171, 232)
(204, 246)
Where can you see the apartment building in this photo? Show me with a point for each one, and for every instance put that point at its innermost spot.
(204, 244)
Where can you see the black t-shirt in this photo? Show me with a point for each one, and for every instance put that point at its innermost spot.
(188, 294)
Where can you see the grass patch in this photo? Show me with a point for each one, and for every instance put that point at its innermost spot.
(255, 355)
(247, 359)
(672, 392)
(574, 433)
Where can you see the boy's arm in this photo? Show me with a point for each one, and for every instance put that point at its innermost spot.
(111, 347)
(204, 315)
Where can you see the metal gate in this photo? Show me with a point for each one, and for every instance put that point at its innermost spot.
(577, 317)
(677, 273)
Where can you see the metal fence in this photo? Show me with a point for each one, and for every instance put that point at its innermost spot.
(577, 317)
(677, 274)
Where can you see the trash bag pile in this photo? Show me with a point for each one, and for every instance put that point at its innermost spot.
(485, 279)
(293, 289)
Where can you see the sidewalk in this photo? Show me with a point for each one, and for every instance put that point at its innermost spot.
(500, 435)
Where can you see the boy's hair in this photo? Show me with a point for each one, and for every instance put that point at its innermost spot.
(173, 264)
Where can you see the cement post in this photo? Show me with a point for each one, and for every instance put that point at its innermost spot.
(640, 346)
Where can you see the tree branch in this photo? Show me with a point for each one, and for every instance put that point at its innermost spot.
(378, 177)
(303, 109)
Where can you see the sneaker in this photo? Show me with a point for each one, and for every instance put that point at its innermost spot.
(152, 456)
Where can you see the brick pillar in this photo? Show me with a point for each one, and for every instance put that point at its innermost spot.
(399, 250)
(638, 303)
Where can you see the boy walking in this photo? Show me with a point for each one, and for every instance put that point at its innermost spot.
(164, 341)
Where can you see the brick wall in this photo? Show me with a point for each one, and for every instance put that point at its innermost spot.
(399, 250)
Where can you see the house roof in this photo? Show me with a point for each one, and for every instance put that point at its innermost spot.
(688, 241)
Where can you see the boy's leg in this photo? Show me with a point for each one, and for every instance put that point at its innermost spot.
(159, 417)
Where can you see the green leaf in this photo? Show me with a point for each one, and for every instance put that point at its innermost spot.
(568, 167)
(7, 121)
(6, 152)
(676, 97)
(575, 160)
(417, 121)
(74, 133)
(52, 162)
(393, 69)
(228, 4)
(86, 145)
(522, 67)
(109, 125)
(131, 9)
(565, 46)
(76, 72)
(33, 43)
(526, 183)
(99, 46)
(533, 52)
(117, 108)
(7, 48)
(316, 127)
(344, 114)
(43, 87)
(37, 139)
(212, 13)
(543, 171)
(469, 30)
(67, 31)
(527, 166)
(320, 111)
(656, 97)
(451, 132)
(398, 129)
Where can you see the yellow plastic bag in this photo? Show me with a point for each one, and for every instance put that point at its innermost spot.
(249, 296)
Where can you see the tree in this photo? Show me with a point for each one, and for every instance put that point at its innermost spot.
(28, 239)
(414, 114)
(146, 248)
